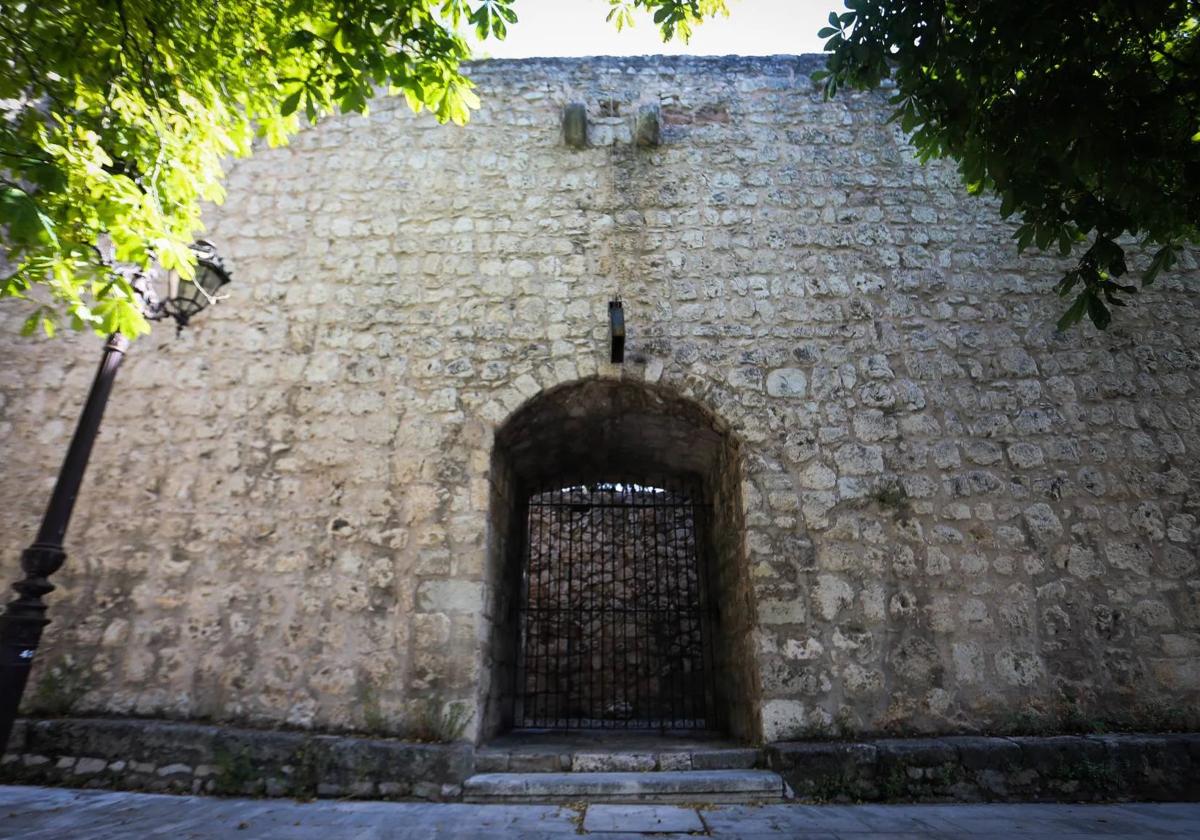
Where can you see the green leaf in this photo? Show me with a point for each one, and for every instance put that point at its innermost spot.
(1024, 236)
(342, 42)
(291, 103)
(299, 39)
(1052, 113)
(1162, 261)
(1064, 243)
(27, 224)
(31, 323)
(1073, 315)
(1099, 313)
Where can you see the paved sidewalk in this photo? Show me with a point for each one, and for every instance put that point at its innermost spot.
(59, 814)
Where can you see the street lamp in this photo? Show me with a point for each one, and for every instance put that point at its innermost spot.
(187, 298)
(22, 624)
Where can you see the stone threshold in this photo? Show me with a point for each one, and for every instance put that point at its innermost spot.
(611, 751)
(699, 786)
(1061, 768)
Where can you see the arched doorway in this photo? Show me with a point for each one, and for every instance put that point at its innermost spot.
(619, 594)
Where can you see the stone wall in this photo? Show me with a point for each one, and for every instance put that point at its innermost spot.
(946, 517)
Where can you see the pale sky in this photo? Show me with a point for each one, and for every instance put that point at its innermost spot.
(578, 27)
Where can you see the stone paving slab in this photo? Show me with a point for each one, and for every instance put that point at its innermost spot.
(644, 819)
(31, 813)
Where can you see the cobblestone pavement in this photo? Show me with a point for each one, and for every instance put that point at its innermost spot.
(61, 814)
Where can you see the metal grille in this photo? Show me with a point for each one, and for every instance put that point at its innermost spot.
(614, 617)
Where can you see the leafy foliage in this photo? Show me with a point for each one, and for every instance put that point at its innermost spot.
(1083, 118)
(115, 116)
(673, 17)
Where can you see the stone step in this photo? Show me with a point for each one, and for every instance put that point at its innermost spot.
(549, 759)
(695, 786)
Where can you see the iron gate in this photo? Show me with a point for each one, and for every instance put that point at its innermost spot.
(614, 614)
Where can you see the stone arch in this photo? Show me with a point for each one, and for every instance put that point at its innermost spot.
(603, 429)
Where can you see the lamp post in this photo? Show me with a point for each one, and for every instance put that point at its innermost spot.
(22, 624)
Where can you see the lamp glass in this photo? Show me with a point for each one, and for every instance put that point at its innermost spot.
(186, 298)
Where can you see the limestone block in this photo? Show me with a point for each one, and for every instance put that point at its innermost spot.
(783, 719)
(1044, 527)
(89, 766)
(857, 459)
(450, 596)
(584, 762)
(793, 611)
(787, 383)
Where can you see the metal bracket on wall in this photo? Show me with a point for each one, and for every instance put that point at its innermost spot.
(616, 331)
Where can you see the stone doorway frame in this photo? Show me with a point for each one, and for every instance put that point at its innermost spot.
(583, 431)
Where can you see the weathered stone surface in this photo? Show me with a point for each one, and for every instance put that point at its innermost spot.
(708, 785)
(787, 382)
(971, 768)
(1161, 767)
(191, 758)
(823, 758)
(979, 753)
(607, 762)
(724, 759)
(526, 763)
(1049, 756)
(647, 130)
(676, 761)
(42, 812)
(492, 761)
(450, 596)
(969, 515)
(642, 819)
(916, 752)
